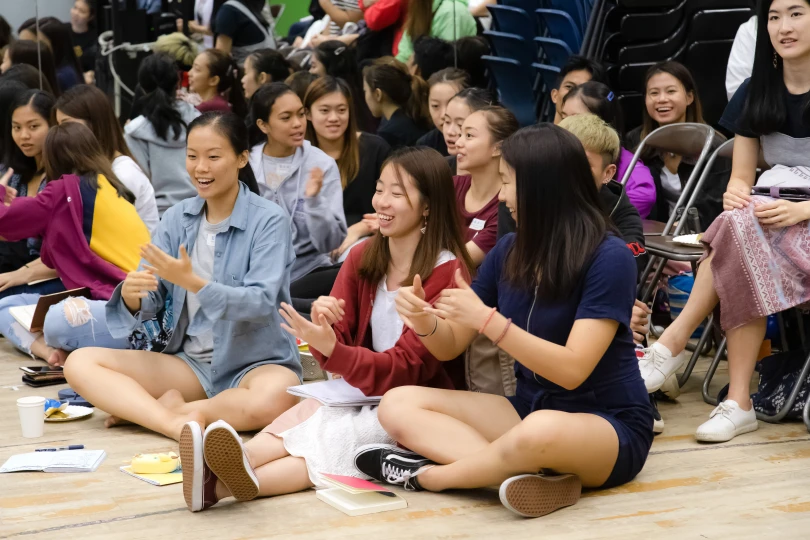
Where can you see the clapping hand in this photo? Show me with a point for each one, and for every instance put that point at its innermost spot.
(314, 183)
(412, 307)
(178, 271)
(318, 334)
(11, 193)
(460, 305)
(330, 307)
(136, 287)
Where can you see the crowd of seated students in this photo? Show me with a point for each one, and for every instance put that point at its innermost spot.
(230, 218)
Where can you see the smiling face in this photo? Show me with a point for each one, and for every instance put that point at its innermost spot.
(61, 118)
(440, 94)
(199, 76)
(212, 163)
(789, 28)
(475, 148)
(29, 129)
(457, 111)
(330, 116)
(508, 192)
(667, 99)
(287, 123)
(399, 205)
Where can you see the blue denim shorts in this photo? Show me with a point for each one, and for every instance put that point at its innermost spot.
(203, 372)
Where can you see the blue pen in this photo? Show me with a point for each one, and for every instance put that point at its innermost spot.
(71, 447)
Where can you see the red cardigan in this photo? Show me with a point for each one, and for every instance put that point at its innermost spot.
(406, 363)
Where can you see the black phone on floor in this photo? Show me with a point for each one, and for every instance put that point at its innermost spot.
(48, 381)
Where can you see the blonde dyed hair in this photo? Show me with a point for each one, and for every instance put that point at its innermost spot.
(595, 134)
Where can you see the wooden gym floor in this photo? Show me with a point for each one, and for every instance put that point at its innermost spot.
(757, 486)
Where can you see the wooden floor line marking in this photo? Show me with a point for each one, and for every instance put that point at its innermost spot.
(721, 446)
(97, 522)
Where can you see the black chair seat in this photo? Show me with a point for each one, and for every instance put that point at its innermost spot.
(655, 51)
(717, 24)
(707, 60)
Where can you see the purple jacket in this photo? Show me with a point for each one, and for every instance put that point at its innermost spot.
(56, 215)
(640, 186)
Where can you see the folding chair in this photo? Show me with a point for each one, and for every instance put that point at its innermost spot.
(689, 140)
(515, 88)
(806, 415)
(573, 8)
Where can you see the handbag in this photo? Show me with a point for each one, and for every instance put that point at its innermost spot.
(489, 369)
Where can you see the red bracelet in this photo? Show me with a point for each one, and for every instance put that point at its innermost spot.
(505, 328)
(486, 322)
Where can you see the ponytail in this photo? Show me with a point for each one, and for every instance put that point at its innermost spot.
(159, 79)
(220, 64)
(408, 92)
(417, 106)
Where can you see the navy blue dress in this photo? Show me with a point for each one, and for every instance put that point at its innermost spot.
(615, 390)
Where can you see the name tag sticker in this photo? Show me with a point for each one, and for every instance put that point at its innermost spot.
(211, 239)
(477, 224)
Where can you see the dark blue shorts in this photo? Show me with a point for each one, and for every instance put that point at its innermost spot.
(633, 427)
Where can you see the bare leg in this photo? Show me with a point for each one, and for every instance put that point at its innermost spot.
(259, 399)
(701, 302)
(581, 444)
(743, 347)
(445, 425)
(126, 384)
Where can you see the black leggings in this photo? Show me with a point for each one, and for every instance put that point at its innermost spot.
(317, 283)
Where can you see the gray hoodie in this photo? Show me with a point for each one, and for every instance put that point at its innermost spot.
(318, 223)
(164, 161)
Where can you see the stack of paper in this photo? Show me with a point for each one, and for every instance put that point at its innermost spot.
(162, 479)
(67, 461)
(357, 497)
(334, 393)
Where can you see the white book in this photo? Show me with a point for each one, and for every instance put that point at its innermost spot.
(361, 503)
(334, 393)
(24, 315)
(67, 461)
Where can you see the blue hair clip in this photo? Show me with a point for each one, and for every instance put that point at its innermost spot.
(610, 96)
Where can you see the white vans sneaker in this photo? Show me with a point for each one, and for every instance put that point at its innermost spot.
(726, 422)
(671, 388)
(658, 364)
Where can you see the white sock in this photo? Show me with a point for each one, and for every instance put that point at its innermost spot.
(662, 349)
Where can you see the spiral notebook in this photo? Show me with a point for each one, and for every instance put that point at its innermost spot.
(65, 461)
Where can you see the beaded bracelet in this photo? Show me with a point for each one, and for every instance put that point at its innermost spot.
(505, 328)
(489, 318)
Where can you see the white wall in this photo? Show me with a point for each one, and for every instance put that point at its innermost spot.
(17, 11)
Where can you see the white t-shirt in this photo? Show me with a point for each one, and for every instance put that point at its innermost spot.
(276, 170)
(671, 183)
(386, 326)
(136, 181)
(741, 59)
(203, 9)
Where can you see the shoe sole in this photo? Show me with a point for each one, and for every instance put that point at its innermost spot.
(716, 439)
(225, 458)
(653, 389)
(531, 495)
(671, 389)
(191, 461)
(658, 427)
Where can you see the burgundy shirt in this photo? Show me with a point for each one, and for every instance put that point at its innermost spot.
(482, 226)
(216, 103)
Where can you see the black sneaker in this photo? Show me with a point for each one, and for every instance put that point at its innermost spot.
(391, 465)
(658, 422)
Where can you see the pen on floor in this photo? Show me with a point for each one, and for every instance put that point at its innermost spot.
(71, 447)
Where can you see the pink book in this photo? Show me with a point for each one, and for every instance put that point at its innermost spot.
(351, 484)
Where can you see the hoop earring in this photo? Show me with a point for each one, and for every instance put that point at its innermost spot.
(775, 60)
(424, 226)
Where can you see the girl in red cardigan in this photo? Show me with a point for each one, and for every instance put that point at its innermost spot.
(356, 334)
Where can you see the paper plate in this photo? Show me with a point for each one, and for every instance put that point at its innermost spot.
(689, 240)
(73, 412)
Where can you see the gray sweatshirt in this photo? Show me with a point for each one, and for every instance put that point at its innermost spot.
(163, 161)
(318, 223)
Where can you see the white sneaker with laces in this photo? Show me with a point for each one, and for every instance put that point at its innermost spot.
(658, 364)
(727, 421)
(671, 388)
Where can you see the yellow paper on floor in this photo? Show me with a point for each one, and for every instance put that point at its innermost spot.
(164, 479)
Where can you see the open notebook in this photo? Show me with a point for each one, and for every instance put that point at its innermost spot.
(67, 461)
(32, 316)
(334, 393)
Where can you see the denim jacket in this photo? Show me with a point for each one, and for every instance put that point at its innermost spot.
(252, 266)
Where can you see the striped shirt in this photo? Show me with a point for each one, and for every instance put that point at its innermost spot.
(345, 5)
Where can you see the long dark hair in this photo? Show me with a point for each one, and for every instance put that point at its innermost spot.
(220, 64)
(765, 110)
(419, 19)
(349, 160)
(27, 75)
(261, 104)
(432, 178)
(601, 101)
(42, 103)
(694, 112)
(408, 92)
(71, 148)
(560, 222)
(232, 128)
(58, 34)
(25, 52)
(9, 90)
(272, 62)
(158, 78)
(88, 103)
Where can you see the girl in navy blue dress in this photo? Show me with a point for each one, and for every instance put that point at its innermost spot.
(557, 296)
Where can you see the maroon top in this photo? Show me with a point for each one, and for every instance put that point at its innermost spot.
(216, 103)
(482, 226)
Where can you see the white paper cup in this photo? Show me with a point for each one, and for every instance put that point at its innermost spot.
(32, 416)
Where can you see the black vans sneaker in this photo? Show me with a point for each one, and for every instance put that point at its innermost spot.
(391, 465)
(658, 422)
